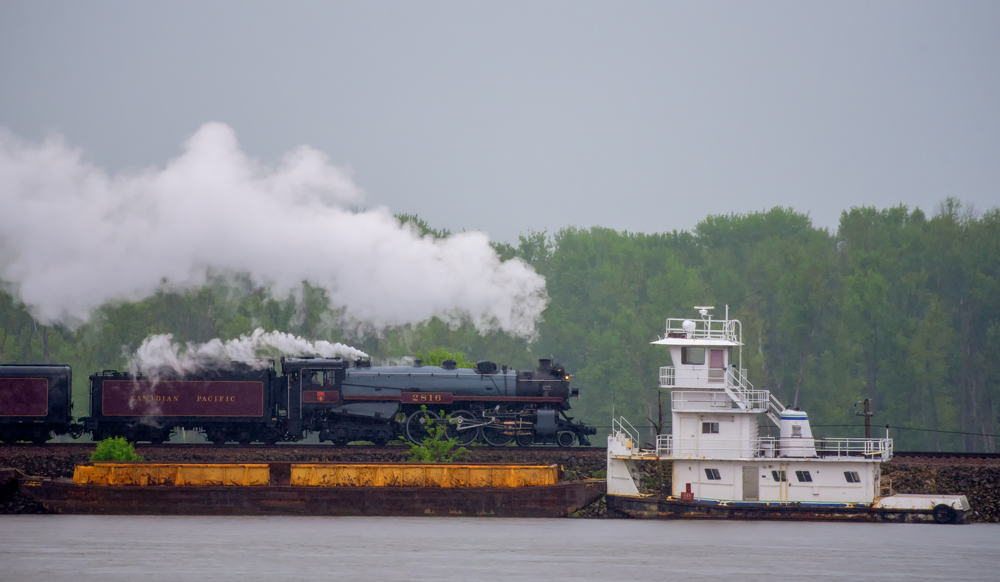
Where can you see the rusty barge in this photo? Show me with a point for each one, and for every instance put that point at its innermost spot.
(347, 489)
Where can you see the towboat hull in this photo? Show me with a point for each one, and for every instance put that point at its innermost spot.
(673, 508)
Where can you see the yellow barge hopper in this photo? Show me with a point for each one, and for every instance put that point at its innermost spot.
(317, 475)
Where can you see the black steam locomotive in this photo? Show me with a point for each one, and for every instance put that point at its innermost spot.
(339, 401)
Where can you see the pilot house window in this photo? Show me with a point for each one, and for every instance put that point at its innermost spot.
(694, 356)
(709, 428)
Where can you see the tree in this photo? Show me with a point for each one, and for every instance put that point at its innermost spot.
(115, 449)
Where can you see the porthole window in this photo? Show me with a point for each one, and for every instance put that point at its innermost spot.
(779, 475)
(852, 476)
(713, 474)
(709, 428)
(803, 476)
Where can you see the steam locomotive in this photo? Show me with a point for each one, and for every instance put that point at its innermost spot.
(341, 401)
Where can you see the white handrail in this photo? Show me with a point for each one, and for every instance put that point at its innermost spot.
(775, 405)
(664, 445)
(820, 449)
(711, 329)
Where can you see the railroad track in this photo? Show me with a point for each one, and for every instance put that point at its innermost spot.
(359, 448)
(287, 446)
(943, 455)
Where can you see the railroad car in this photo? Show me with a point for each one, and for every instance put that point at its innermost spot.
(236, 402)
(35, 400)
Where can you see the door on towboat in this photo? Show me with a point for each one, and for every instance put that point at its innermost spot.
(716, 366)
(751, 484)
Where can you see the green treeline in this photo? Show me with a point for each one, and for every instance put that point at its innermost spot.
(895, 306)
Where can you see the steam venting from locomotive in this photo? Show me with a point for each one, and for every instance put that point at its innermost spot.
(74, 236)
(160, 352)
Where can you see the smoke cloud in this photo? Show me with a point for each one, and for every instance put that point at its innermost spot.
(159, 352)
(74, 236)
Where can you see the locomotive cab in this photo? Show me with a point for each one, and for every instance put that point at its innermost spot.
(318, 402)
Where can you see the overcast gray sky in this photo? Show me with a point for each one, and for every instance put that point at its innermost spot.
(511, 116)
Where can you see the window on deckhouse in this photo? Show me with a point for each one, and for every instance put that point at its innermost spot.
(709, 428)
(803, 476)
(694, 356)
(852, 476)
(779, 476)
(713, 474)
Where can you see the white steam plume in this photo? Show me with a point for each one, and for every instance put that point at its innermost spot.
(74, 236)
(159, 352)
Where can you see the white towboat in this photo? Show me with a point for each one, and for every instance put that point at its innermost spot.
(723, 467)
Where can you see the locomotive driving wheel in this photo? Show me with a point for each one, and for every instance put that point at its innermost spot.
(524, 439)
(417, 424)
(498, 435)
(460, 429)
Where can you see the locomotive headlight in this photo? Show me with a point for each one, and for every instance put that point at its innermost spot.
(567, 376)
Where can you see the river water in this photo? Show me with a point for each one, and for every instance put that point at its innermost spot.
(175, 549)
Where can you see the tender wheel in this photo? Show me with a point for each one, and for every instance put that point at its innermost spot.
(272, 438)
(458, 427)
(339, 437)
(381, 437)
(944, 513)
(524, 439)
(157, 440)
(565, 438)
(498, 436)
(39, 439)
(244, 438)
(218, 438)
(416, 426)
